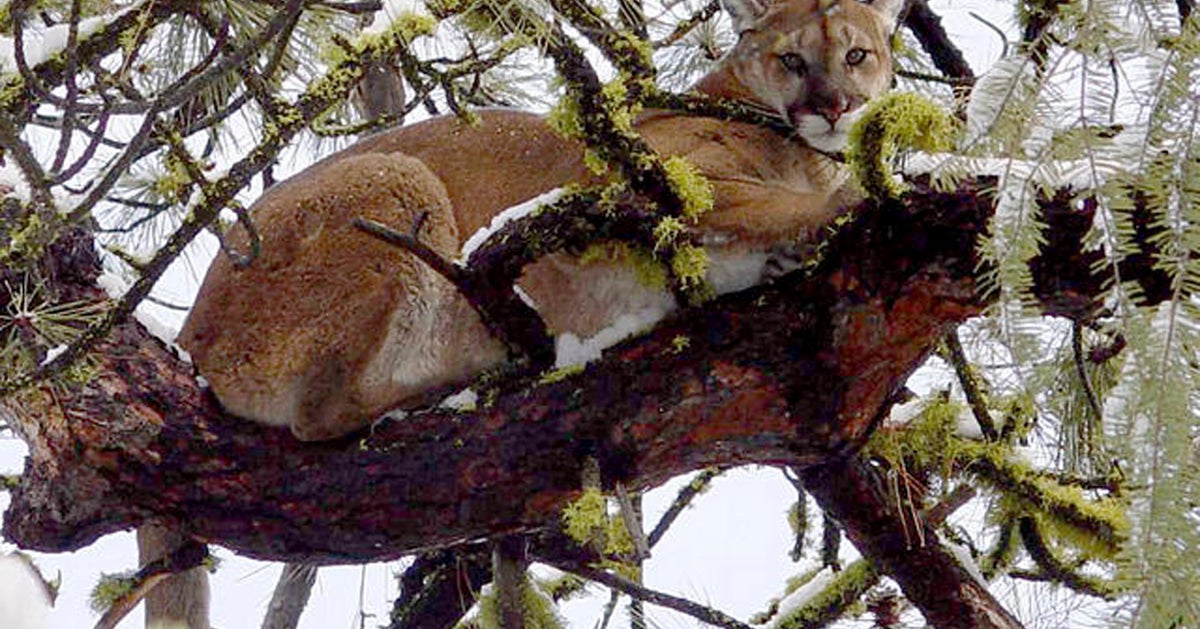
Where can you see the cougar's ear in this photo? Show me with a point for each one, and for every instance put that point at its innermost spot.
(745, 13)
(889, 9)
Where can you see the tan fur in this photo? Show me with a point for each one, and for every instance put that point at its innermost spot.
(329, 327)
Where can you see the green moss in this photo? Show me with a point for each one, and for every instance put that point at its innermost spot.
(692, 188)
(1096, 527)
(846, 586)
(26, 242)
(618, 539)
(405, 28)
(689, 264)
(666, 231)
(538, 609)
(173, 184)
(12, 89)
(109, 589)
(616, 106)
(927, 442)
(560, 374)
(892, 122)
(565, 118)
(584, 518)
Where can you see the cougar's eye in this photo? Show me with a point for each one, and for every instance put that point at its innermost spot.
(793, 62)
(855, 56)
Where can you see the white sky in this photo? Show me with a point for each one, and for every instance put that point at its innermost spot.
(728, 551)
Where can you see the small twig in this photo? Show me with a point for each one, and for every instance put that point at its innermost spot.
(16, 13)
(186, 557)
(1078, 359)
(934, 78)
(502, 311)
(64, 141)
(953, 501)
(976, 398)
(21, 152)
(831, 543)
(800, 526)
(609, 608)
(509, 564)
(686, 494)
(630, 516)
(1053, 568)
(290, 597)
(641, 593)
(996, 29)
(411, 243)
(687, 26)
(95, 139)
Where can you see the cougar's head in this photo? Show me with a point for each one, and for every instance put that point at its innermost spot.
(813, 62)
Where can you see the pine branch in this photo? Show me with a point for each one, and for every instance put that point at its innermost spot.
(186, 557)
(971, 387)
(686, 494)
(318, 98)
(702, 613)
(290, 597)
(1053, 569)
(855, 493)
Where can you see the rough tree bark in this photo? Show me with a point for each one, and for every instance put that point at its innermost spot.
(796, 373)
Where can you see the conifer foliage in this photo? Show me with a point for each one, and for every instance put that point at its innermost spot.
(1039, 260)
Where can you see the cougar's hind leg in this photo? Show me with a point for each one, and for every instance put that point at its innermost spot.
(380, 321)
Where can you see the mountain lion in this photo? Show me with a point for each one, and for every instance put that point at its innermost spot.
(330, 327)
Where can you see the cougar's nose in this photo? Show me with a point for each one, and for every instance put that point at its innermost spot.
(832, 107)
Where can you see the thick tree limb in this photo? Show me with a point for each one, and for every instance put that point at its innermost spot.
(852, 491)
(796, 373)
(927, 27)
(786, 374)
(290, 597)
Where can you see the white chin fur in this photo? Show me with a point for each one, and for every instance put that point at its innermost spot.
(817, 133)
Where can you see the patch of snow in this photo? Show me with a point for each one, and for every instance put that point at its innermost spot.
(112, 284)
(513, 213)
(733, 272)
(524, 297)
(53, 353)
(12, 181)
(465, 401)
(40, 44)
(158, 329)
(963, 555)
(966, 425)
(24, 601)
(571, 351)
(116, 287)
(800, 597)
(391, 10)
(904, 412)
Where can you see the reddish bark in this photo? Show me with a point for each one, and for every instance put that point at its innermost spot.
(795, 373)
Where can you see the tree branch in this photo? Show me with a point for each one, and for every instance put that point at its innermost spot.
(853, 492)
(795, 373)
